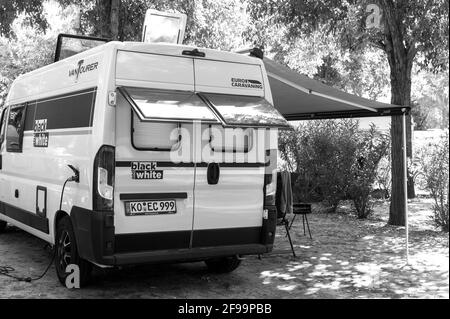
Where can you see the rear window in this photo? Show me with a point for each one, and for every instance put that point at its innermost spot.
(154, 136)
(154, 105)
(230, 139)
(245, 110)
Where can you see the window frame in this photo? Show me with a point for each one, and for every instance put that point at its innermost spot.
(3, 118)
(135, 108)
(19, 148)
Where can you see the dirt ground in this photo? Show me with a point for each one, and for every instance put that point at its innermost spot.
(347, 258)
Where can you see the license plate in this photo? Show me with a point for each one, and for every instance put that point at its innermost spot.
(150, 207)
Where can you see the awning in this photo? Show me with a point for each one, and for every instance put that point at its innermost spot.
(299, 97)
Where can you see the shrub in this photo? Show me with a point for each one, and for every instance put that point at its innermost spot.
(320, 152)
(435, 168)
(383, 177)
(372, 146)
(333, 160)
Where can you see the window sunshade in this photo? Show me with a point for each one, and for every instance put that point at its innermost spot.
(237, 110)
(151, 104)
(229, 110)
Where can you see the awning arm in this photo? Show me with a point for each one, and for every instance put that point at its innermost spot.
(309, 91)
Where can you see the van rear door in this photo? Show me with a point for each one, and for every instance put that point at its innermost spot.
(170, 134)
(229, 178)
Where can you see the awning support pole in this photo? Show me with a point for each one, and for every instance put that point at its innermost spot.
(405, 181)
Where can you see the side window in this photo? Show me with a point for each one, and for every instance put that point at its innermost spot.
(14, 131)
(3, 125)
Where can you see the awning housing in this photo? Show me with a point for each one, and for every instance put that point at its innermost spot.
(298, 97)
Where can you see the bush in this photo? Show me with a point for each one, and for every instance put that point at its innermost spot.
(372, 146)
(435, 168)
(320, 152)
(383, 177)
(333, 160)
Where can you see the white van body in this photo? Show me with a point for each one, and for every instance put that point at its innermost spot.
(90, 111)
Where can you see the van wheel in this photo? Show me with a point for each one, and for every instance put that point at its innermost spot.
(223, 265)
(67, 253)
(2, 226)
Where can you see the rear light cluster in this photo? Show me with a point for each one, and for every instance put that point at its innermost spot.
(104, 169)
(271, 189)
(270, 179)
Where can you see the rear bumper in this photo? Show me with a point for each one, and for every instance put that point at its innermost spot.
(98, 243)
(190, 254)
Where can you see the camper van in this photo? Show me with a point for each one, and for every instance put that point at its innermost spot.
(132, 153)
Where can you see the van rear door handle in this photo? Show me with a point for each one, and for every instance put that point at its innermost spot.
(194, 52)
(213, 173)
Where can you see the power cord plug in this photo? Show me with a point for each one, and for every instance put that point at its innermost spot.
(76, 177)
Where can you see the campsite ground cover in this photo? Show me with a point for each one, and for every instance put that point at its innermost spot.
(347, 258)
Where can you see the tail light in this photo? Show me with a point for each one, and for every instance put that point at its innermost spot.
(270, 179)
(270, 182)
(104, 169)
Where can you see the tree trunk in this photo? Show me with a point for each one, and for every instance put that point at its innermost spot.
(400, 57)
(401, 95)
(104, 18)
(115, 19)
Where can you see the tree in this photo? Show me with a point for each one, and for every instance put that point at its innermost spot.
(10, 9)
(431, 95)
(405, 28)
(212, 23)
(28, 46)
(99, 18)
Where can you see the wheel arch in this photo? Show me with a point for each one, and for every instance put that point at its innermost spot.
(58, 216)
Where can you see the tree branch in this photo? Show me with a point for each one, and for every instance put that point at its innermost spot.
(412, 50)
(379, 44)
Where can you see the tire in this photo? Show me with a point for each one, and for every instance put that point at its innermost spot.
(66, 251)
(2, 226)
(223, 265)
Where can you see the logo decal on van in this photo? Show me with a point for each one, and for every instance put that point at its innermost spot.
(40, 138)
(82, 69)
(246, 83)
(145, 170)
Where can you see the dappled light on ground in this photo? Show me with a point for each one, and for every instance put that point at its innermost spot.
(350, 258)
(347, 258)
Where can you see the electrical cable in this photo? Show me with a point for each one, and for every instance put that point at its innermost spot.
(7, 270)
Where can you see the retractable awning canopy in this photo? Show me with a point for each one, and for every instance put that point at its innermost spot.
(298, 97)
